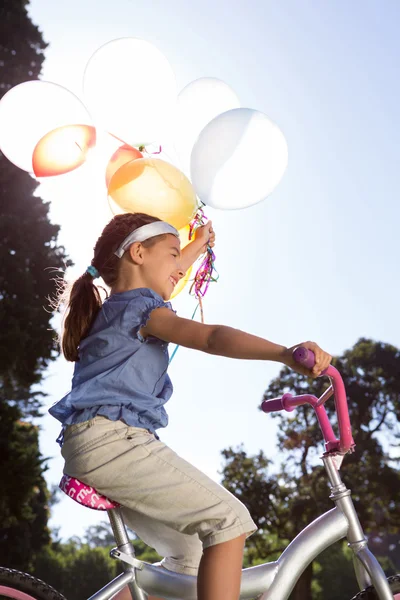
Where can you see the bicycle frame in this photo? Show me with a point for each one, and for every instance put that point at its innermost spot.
(274, 580)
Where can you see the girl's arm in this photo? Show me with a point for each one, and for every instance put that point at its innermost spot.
(226, 341)
(190, 254)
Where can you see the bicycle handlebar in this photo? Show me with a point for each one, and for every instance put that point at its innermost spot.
(288, 402)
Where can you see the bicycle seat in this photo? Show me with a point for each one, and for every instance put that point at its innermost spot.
(85, 495)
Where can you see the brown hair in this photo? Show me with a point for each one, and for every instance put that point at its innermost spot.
(82, 297)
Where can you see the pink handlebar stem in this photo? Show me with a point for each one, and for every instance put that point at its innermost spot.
(342, 410)
(288, 402)
(306, 357)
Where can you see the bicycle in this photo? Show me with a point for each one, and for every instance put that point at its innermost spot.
(268, 581)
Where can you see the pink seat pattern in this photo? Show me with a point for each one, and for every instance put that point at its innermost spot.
(85, 495)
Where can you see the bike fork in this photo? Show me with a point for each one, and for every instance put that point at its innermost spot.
(367, 569)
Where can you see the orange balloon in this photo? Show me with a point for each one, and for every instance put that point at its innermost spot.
(154, 187)
(62, 150)
(121, 156)
(184, 237)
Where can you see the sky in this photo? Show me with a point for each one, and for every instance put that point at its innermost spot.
(318, 259)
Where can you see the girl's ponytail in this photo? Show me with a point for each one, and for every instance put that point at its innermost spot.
(83, 305)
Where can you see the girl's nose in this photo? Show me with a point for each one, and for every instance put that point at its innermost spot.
(181, 273)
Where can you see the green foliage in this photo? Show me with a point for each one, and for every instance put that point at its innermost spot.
(21, 45)
(99, 536)
(28, 250)
(28, 257)
(23, 499)
(145, 553)
(282, 503)
(76, 570)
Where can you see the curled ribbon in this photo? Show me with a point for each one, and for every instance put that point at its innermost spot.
(206, 273)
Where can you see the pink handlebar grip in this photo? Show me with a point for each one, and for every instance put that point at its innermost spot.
(273, 405)
(304, 357)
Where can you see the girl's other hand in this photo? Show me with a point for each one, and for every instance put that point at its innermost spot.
(205, 235)
(322, 360)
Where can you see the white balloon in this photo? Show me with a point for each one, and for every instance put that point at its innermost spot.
(130, 90)
(238, 159)
(198, 103)
(30, 110)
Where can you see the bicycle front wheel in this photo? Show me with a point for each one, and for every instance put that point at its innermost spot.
(15, 585)
(370, 594)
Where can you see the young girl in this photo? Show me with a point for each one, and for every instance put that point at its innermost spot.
(119, 391)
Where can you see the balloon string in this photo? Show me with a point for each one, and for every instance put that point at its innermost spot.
(177, 346)
(206, 273)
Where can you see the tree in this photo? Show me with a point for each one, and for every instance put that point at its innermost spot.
(21, 45)
(283, 503)
(28, 249)
(23, 499)
(74, 569)
(29, 254)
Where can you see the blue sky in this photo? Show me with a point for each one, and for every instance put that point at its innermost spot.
(319, 258)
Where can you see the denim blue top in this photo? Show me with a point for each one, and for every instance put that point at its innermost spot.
(119, 374)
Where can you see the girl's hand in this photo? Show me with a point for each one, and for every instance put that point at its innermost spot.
(322, 360)
(205, 236)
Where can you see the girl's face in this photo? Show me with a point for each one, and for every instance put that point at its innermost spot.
(161, 266)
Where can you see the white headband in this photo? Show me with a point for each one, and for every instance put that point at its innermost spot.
(144, 233)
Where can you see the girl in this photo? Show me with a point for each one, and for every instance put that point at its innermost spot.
(119, 389)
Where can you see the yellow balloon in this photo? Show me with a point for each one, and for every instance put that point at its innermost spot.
(184, 237)
(154, 187)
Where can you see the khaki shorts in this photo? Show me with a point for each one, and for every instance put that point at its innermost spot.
(172, 506)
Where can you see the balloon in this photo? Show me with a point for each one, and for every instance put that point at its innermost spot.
(184, 237)
(198, 103)
(238, 159)
(115, 208)
(130, 90)
(30, 110)
(121, 156)
(155, 187)
(63, 150)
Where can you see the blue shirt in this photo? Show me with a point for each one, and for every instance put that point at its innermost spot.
(119, 374)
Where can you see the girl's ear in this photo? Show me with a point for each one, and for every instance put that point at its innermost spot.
(136, 253)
